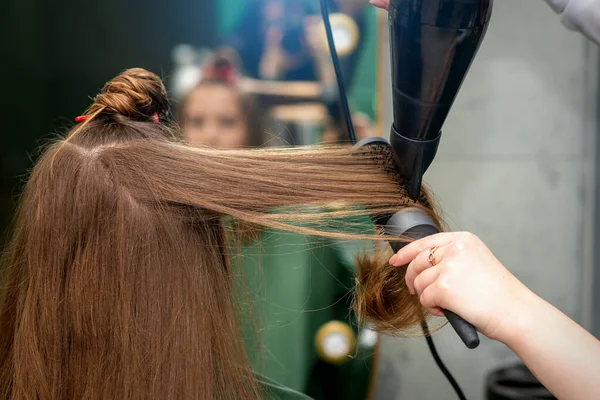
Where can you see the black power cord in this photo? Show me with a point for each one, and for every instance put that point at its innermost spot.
(440, 363)
(351, 134)
(338, 72)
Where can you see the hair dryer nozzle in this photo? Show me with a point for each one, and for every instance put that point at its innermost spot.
(412, 158)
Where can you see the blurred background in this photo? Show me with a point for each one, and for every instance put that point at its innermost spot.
(517, 164)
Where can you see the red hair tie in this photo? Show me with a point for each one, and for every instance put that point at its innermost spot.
(224, 72)
(81, 118)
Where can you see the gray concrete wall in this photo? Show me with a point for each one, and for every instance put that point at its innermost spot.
(516, 167)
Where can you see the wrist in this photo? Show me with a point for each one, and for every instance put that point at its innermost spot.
(522, 322)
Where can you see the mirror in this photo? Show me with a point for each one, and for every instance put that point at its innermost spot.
(280, 56)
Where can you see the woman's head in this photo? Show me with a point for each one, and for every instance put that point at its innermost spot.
(118, 280)
(217, 113)
(112, 292)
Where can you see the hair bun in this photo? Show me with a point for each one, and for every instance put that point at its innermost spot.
(135, 93)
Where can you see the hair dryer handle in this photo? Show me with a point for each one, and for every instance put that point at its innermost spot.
(466, 331)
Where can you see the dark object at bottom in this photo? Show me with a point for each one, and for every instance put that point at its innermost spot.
(515, 383)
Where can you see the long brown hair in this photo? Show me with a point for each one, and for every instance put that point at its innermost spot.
(118, 281)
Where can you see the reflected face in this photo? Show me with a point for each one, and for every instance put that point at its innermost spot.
(213, 117)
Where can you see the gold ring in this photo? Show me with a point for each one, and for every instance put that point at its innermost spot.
(431, 257)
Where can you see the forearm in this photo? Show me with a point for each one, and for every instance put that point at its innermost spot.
(560, 353)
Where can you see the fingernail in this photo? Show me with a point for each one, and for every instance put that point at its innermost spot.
(393, 259)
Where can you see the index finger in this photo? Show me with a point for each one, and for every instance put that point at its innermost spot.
(412, 250)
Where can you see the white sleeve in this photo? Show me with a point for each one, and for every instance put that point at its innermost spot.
(580, 15)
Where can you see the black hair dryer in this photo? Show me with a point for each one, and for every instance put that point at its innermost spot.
(433, 43)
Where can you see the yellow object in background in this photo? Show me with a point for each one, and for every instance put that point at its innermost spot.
(335, 342)
(345, 34)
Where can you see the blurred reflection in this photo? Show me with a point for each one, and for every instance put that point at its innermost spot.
(187, 59)
(274, 70)
(285, 274)
(277, 53)
(284, 40)
(269, 36)
(214, 117)
(216, 112)
(363, 128)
